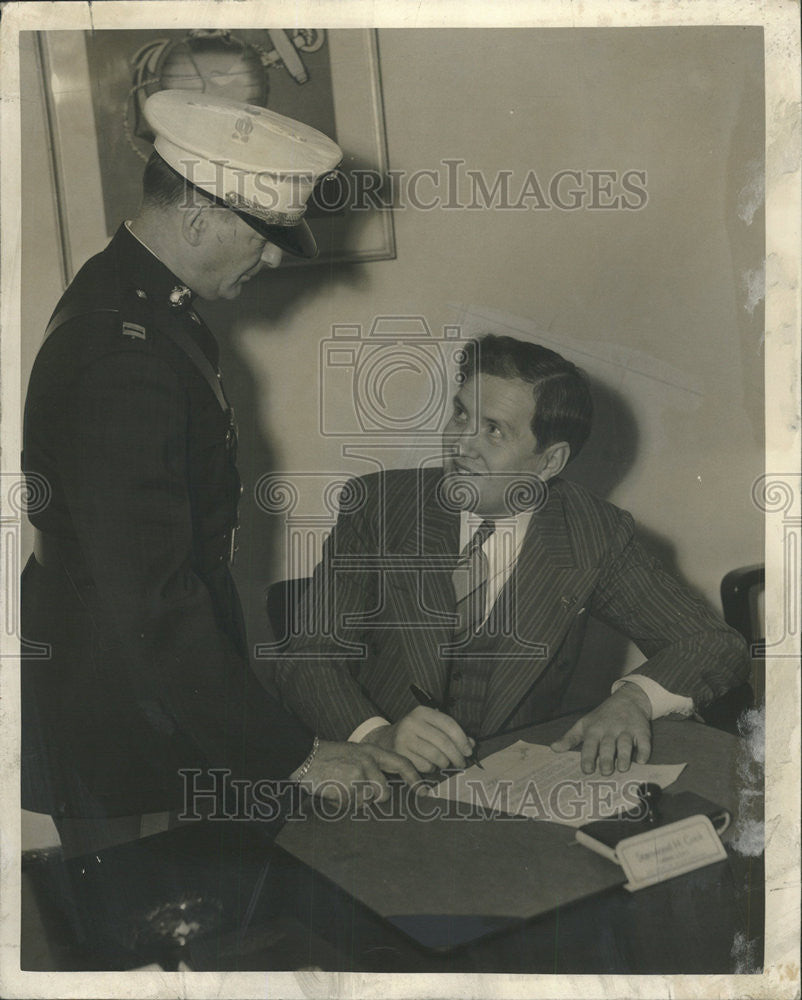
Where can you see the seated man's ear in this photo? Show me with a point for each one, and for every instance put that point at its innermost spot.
(554, 459)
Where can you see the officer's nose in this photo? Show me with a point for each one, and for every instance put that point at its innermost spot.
(271, 255)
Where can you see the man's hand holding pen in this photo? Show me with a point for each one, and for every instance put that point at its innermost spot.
(430, 739)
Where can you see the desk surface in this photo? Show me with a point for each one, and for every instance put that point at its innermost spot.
(446, 882)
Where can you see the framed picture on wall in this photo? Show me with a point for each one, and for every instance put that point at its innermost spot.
(96, 84)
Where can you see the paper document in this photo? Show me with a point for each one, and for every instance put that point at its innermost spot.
(531, 780)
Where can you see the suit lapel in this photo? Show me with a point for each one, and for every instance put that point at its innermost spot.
(428, 600)
(546, 590)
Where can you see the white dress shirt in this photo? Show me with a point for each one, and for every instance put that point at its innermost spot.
(501, 550)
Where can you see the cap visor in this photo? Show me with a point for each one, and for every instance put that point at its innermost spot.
(297, 240)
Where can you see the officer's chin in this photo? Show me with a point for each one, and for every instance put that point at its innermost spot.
(232, 292)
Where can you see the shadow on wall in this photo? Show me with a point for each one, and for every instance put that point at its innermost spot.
(612, 448)
(605, 461)
(603, 464)
(272, 302)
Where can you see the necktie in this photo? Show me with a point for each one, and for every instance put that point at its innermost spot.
(470, 583)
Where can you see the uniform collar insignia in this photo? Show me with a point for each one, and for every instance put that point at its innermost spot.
(180, 296)
(147, 274)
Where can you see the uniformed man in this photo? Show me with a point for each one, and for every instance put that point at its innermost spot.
(128, 421)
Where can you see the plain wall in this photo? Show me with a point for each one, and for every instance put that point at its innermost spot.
(658, 304)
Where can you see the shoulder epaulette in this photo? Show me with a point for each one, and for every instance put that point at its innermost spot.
(134, 314)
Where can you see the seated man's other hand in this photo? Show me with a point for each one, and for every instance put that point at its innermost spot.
(348, 772)
(430, 739)
(612, 731)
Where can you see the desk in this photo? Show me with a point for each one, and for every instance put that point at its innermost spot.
(370, 885)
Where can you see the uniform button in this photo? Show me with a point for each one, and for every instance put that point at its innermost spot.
(241, 490)
(457, 675)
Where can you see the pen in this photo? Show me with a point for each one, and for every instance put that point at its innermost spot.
(424, 698)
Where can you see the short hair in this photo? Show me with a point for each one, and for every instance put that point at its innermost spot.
(163, 186)
(563, 404)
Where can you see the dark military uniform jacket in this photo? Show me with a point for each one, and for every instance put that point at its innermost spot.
(137, 663)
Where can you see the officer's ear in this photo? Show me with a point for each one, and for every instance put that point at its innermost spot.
(194, 224)
(553, 459)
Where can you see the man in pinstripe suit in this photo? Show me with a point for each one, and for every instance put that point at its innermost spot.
(385, 609)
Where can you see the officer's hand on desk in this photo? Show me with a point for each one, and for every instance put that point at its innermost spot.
(432, 740)
(355, 772)
(612, 731)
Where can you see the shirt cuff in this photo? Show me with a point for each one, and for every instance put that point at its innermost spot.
(663, 702)
(366, 727)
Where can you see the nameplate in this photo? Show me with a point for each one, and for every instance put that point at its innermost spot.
(668, 851)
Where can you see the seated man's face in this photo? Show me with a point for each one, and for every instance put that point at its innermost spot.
(489, 443)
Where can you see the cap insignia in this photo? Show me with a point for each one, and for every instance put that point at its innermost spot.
(244, 129)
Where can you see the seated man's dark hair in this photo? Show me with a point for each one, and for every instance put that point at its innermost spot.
(563, 405)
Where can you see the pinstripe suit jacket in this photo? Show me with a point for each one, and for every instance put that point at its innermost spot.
(379, 613)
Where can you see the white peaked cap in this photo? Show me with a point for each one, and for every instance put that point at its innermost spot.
(256, 162)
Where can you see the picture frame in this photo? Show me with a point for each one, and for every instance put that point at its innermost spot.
(93, 101)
